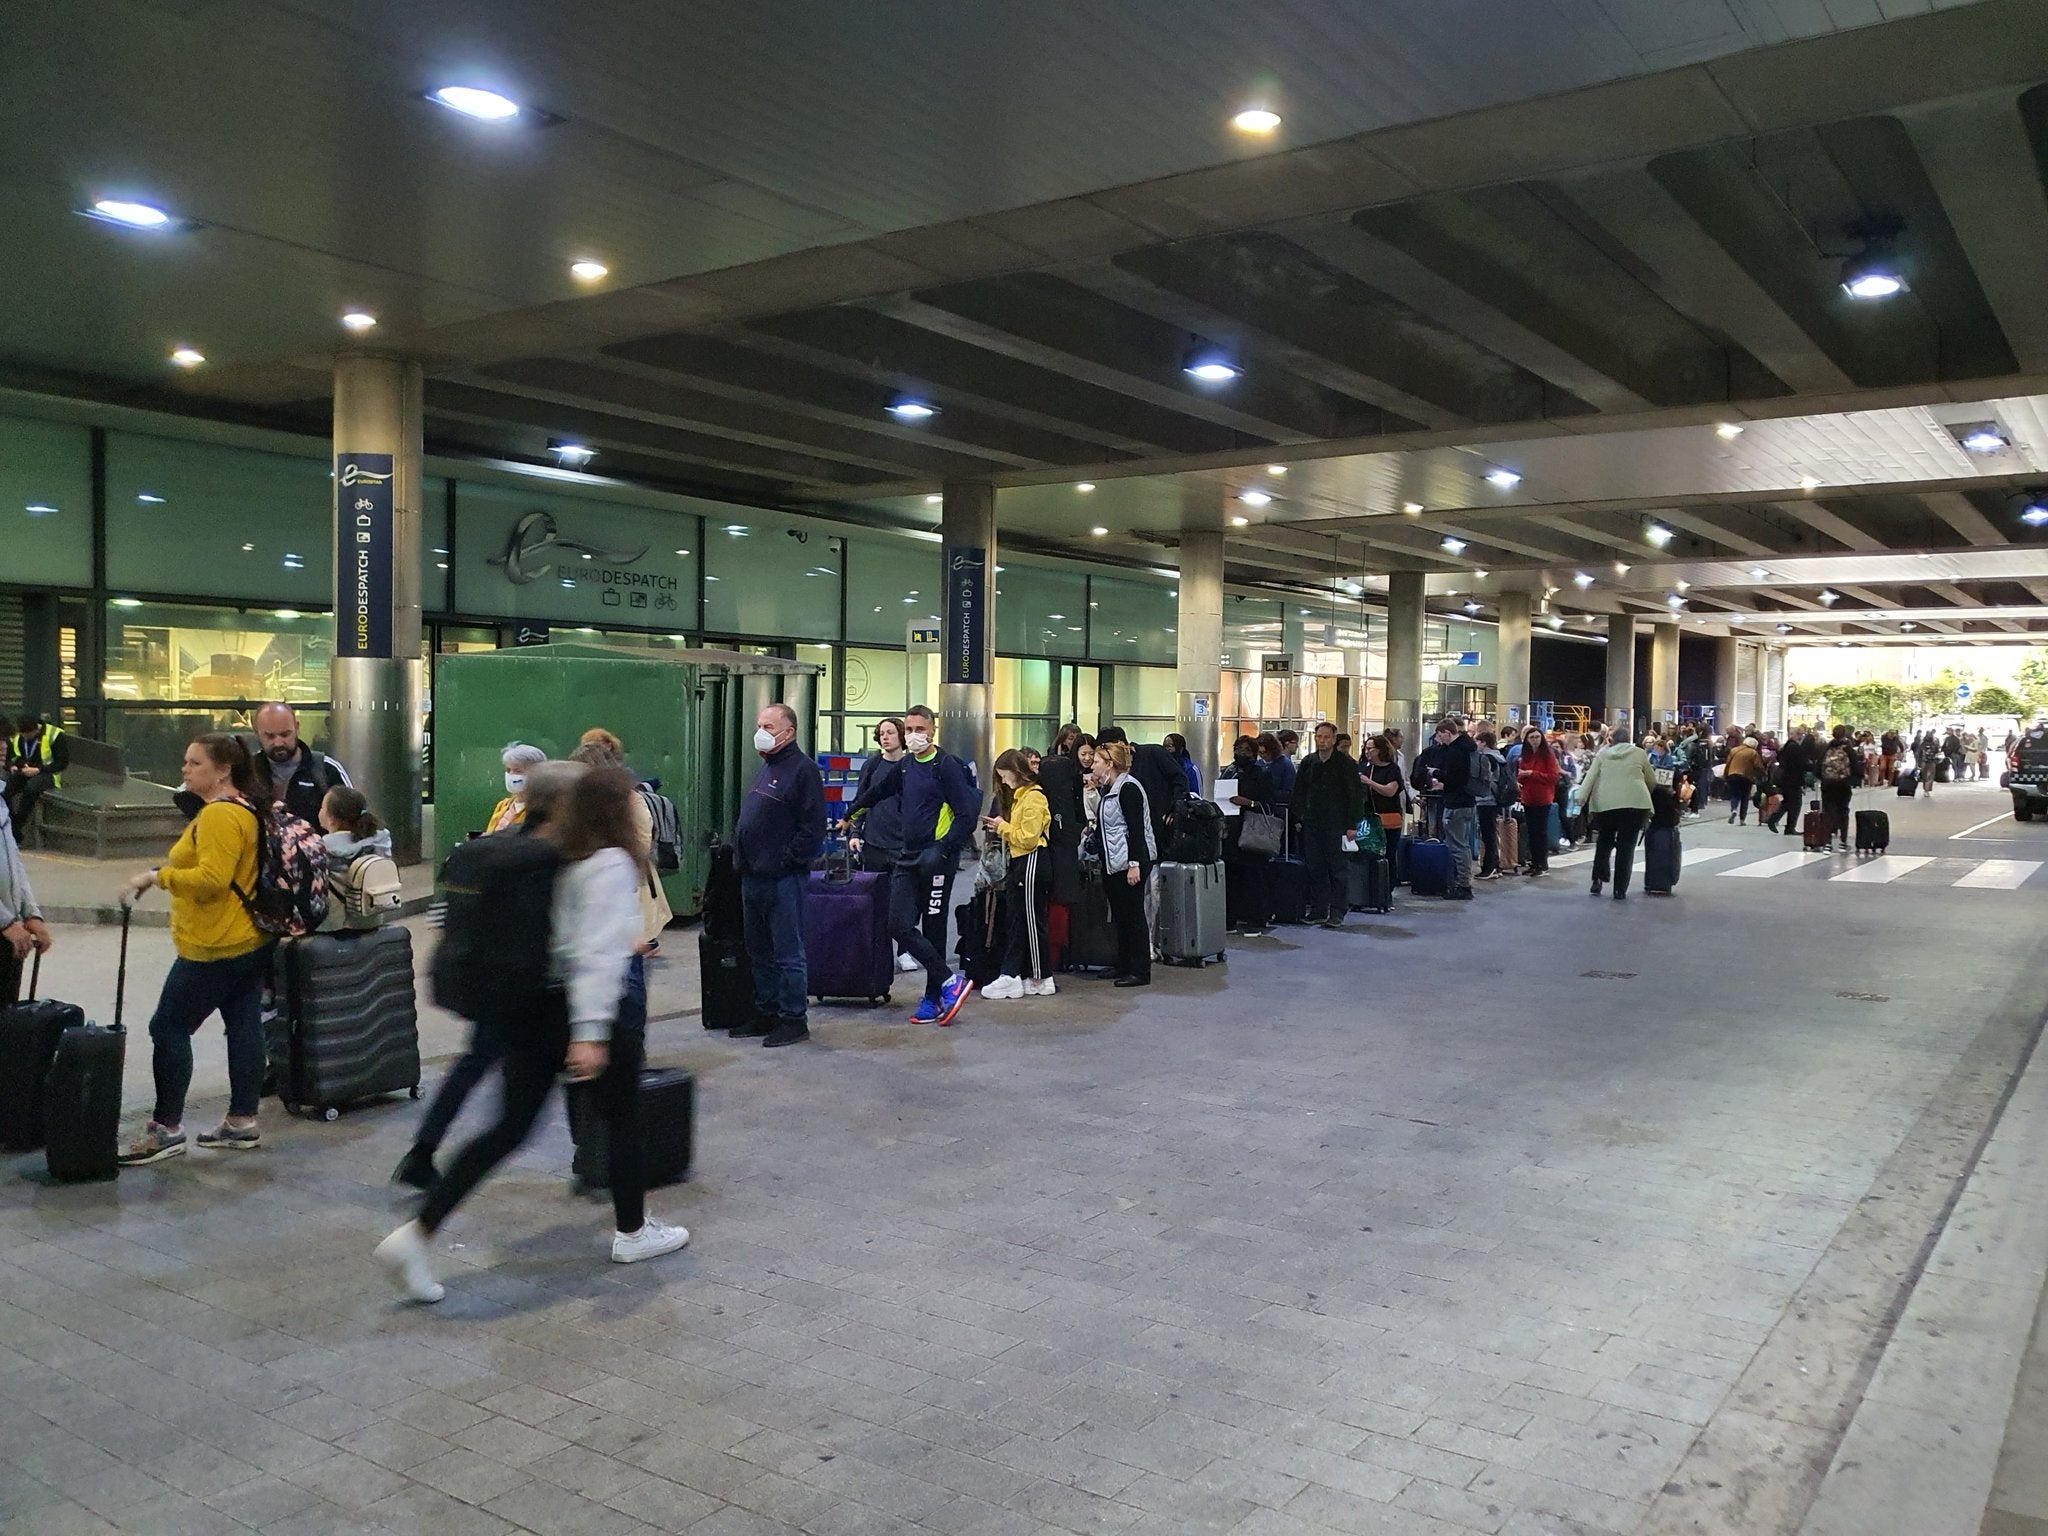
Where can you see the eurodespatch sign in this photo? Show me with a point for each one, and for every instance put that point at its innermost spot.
(537, 552)
(362, 553)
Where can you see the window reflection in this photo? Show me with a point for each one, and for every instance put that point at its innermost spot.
(169, 653)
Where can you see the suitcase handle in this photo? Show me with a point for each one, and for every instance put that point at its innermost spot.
(121, 972)
(35, 975)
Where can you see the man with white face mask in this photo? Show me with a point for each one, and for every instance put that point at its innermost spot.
(781, 827)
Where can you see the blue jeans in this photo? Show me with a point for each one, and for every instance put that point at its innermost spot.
(193, 991)
(1461, 831)
(774, 909)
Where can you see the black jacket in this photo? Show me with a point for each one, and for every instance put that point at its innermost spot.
(879, 825)
(1165, 783)
(1453, 766)
(1060, 777)
(313, 774)
(782, 819)
(1327, 795)
(1792, 766)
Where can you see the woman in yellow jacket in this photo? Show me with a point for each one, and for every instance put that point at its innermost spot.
(1022, 817)
(223, 956)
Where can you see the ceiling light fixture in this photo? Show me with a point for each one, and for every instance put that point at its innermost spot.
(912, 410)
(588, 271)
(1209, 364)
(1256, 120)
(187, 357)
(1085, 486)
(1683, 586)
(1276, 469)
(1738, 618)
(1758, 573)
(573, 454)
(1982, 437)
(39, 509)
(1621, 567)
(1412, 508)
(1255, 498)
(149, 498)
(1100, 533)
(131, 214)
(472, 101)
(1582, 580)
(1784, 629)
(1658, 534)
(1503, 479)
(1240, 522)
(1828, 597)
(1471, 607)
(1809, 482)
(1674, 601)
(1557, 621)
(2035, 514)
(1909, 625)
(1728, 431)
(359, 320)
(1479, 575)
(1875, 274)
(1452, 545)
(933, 501)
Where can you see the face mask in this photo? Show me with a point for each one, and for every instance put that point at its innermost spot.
(917, 741)
(764, 739)
(514, 783)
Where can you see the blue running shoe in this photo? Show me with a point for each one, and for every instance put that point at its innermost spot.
(951, 996)
(927, 1012)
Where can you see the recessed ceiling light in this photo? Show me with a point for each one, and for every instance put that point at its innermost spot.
(736, 530)
(1728, 431)
(1621, 567)
(248, 549)
(39, 509)
(913, 410)
(1758, 573)
(1276, 469)
(2035, 515)
(1738, 618)
(1909, 625)
(187, 357)
(1100, 533)
(1451, 545)
(1659, 535)
(286, 613)
(1983, 437)
(1683, 586)
(119, 210)
(1479, 575)
(359, 320)
(1582, 580)
(588, 271)
(1211, 369)
(1470, 606)
(1239, 522)
(149, 498)
(1412, 508)
(683, 552)
(1841, 642)
(1557, 621)
(1675, 601)
(1784, 629)
(1828, 597)
(471, 101)
(127, 602)
(1809, 483)
(1256, 120)
(933, 501)
(1503, 479)
(1875, 274)
(1255, 498)
(571, 453)
(1085, 486)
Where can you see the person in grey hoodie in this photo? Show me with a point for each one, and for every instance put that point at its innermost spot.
(1616, 794)
(21, 921)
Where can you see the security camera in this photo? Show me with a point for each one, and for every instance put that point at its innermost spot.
(799, 535)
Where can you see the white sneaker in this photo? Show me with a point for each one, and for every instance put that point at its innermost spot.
(1004, 986)
(652, 1240)
(404, 1253)
(1045, 988)
(907, 962)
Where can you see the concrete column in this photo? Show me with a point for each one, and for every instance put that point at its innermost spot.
(1404, 657)
(1663, 673)
(1198, 649)
(1727, 661)
(1621, 669)
(967, 658)
(377, 677)
(1512, 665)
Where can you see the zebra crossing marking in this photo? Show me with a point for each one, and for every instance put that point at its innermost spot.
(1998, 875)
(1777, 864)
(1883, 869)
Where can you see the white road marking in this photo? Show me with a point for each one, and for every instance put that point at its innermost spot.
(1764, 869)
(1884, 869)
(1998, 875)
(1693, 856)
(1584, 855)
(1994, 821)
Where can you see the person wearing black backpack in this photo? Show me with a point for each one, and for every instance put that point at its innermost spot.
(223, 956)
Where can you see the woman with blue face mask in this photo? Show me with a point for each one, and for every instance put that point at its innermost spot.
(511, 811)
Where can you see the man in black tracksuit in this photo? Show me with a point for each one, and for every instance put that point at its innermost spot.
(1791, 769)
(940, 805)
(1329, 799)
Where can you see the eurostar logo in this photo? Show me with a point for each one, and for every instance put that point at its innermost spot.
(353, 474)
(537, 533)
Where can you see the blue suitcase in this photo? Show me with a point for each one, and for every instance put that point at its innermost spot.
(1429, 868)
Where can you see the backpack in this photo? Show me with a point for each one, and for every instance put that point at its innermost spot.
(1507, 784)
(1835, 767)
(290, 898)
(492, 961)
(667, 852)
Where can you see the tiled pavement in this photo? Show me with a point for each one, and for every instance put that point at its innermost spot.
(1420, 1229)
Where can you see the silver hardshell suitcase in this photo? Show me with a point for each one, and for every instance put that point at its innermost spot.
(1191, 913)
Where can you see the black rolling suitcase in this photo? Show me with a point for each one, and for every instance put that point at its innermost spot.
(347, 1023)
(1288, 881)
(29, 1031)
(1369, 879)
(668, 1130)
(1663, 853)
(1908, 782)
(726, 980)
(1873, 831)
(1090, 936)
(82, 1093)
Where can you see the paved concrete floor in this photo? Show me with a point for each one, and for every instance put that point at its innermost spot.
(1535, 1216)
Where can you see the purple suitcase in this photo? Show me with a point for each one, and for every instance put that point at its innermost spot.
(846, 933)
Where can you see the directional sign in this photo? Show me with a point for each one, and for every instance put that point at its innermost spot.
(1962, 693)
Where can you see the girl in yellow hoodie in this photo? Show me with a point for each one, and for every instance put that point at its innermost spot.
(223, 956)
(1022, 817)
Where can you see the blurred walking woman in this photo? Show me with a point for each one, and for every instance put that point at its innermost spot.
(1022, 819)
(1124, 824)
(222, 956)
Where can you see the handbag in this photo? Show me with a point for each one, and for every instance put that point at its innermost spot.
(1370, 838)
(1261, 832)
(995, 862)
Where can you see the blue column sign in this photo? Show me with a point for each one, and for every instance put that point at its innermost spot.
(966, 615)
(362, 554)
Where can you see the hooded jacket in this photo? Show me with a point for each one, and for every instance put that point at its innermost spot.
(1621, 779)
(1453, 765)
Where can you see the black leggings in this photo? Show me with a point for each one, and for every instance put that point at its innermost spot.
(486, 1049)
(1489, 839)
(1133, 934)
(1836, 803)
(1615, 836)
(1027, 895)
(1536, 837)
(533, 1055)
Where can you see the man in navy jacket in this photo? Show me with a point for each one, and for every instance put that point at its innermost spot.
(940, 804)
(781, 828)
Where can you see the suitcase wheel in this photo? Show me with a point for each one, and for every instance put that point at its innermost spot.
(413, 1091)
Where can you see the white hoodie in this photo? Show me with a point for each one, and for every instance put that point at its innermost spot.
(597, 926)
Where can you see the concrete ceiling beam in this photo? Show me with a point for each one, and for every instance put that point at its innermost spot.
(1961, 514)
(1830, 525)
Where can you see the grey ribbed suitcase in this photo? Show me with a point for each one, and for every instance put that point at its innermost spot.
(347, 1022)
(1191, 913)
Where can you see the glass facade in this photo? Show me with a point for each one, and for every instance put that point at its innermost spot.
(769, 575)
(563, 560)
(1132, 620)
(45, 504)
(1041, 610)
(897, 583)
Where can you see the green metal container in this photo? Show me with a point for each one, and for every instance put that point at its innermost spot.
(686, 717)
